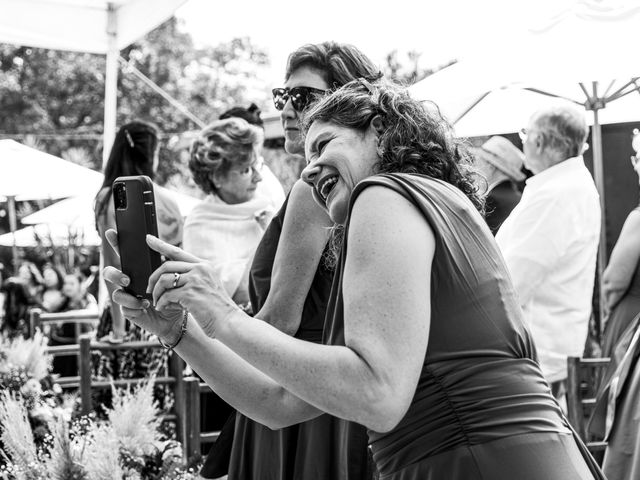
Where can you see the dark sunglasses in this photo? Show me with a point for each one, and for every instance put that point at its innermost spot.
(300, 97)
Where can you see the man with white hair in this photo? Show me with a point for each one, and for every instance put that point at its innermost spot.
(550, 240)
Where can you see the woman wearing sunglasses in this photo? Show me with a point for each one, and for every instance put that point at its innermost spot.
(290, 284)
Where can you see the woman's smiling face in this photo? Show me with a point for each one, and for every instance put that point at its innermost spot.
(337, 159)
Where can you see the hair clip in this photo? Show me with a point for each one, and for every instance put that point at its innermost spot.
(129, 139)
(366, 84)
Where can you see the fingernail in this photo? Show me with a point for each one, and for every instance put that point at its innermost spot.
(146, 303)
(125, 281)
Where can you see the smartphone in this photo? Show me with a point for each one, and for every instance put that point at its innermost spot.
(135, 208)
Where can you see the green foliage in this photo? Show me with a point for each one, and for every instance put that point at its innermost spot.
(59, 96)
(408, 71)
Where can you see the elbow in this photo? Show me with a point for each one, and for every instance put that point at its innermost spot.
(383, 410)
(280, 423)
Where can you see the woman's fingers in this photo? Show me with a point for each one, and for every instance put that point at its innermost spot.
(169, 267)
(166, 281)
(112, 238)
(170, 251)
(115, 276)
(126, 300)
(169, 299)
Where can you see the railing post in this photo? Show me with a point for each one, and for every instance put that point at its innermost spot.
(574, 405)
(34, 321)
(176, 368)
(191, 416)
(84, 371)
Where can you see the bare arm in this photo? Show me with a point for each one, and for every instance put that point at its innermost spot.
(305, 232)
(110, 258)
(623, 262)
(386, 310)
(243, 386)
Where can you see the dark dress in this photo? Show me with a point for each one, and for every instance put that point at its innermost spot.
(482, 409)
(622, 314)
(500, 201)
(322, 448)
(616, 415)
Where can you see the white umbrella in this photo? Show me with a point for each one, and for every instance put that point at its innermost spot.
(95, 26)
(50, 235)
(29, 174)
(78, 211)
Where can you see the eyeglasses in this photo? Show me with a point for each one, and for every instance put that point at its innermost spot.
(255, 167)
(300, 97)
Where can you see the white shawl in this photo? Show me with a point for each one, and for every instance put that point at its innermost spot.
(225, 234)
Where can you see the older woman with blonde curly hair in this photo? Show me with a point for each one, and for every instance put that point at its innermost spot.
(226, 227)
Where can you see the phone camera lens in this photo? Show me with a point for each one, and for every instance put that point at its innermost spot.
(120, 196)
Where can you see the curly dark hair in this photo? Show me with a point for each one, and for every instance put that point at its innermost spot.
(220, 146)
(415, 138)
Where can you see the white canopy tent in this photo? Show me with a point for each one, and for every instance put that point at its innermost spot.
(94, 26)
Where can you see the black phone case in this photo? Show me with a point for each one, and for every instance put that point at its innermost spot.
(134, 222)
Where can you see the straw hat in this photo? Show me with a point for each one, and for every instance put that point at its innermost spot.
(504, 155)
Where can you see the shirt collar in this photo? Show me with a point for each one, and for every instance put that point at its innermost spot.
(566, 166)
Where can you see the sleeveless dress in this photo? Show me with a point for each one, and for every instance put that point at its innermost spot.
(482, 409)
(622, 314)
(321, 449)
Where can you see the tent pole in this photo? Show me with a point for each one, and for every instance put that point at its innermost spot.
(13, 226)
(111, 83)
(598, 173)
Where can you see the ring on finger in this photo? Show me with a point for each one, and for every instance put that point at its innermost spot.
(176, 279)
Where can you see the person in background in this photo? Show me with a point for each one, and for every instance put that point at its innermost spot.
(447, 383)
(31, 278)
(550, 239)
(270, 187)
(76, 296)
(621, 280)
(500, 163)
(226, 227)
(52, 297)
(134, 152)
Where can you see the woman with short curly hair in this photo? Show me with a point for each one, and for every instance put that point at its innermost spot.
(227, 225)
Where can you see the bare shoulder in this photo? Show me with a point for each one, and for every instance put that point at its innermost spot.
(383, 217)
(383, 204)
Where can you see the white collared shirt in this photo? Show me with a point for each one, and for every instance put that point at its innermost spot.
(550, 244)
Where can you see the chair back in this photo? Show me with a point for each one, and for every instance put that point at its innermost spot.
(584, 375)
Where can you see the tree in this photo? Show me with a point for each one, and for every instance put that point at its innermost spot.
(408, 71)
(59, 96)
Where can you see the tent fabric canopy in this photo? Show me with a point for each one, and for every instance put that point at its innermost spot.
(94, 26)
(80, 25)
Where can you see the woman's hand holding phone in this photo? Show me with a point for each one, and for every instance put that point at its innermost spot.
(190, 282)
(165, 324)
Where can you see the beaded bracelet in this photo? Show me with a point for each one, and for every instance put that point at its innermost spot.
(183, 330)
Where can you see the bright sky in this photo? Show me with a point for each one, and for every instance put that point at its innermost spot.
(441, 29)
